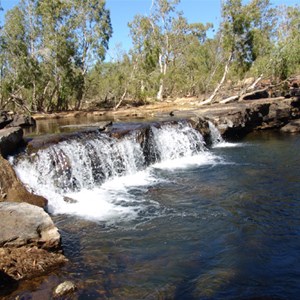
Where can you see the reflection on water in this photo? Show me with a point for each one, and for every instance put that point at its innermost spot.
(227, 230)
(70, 124)
(66, 124)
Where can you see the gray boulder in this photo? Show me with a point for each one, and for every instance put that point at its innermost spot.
(10, 140)
(26, 224)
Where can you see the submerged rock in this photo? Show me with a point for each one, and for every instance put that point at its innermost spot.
(292, 127)
(64, 288)
(69, 200)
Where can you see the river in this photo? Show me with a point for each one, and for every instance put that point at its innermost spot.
(198, 222)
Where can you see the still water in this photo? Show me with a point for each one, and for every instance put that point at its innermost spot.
(222, 223)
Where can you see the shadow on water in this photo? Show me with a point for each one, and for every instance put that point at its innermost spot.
(7, 284)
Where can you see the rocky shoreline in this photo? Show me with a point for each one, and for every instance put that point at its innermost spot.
(30, 243)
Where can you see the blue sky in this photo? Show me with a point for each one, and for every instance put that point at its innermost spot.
(123, 11)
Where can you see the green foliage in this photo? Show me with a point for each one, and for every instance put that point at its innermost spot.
(52, 52)
(161, 44)
(48, 48)
(248, 31)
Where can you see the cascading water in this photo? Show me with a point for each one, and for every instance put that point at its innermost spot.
(215, 135)
(217, 140)
(98, 176)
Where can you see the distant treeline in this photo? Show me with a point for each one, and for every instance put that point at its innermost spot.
(52, 53)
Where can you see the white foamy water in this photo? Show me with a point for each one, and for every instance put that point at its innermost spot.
(111, 202)
(201, 159)
(107, 179)
(227, 145)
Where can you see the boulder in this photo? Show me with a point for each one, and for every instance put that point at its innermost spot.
(22, 121)
(10, 140)
(30, 244)
(11, 188)
(23, 224)
(292, 127)
(5, 119)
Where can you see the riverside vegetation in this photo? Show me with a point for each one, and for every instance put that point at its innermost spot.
(52, 54)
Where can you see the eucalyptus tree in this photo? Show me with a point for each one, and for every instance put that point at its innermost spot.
(16, 70)
(144, 54)
(57, 52)
(194, 60)
(157, 40)
(92, 31)
(245, 32)
(77, 33)
(163, 20)
(48, 46)
(285, 59)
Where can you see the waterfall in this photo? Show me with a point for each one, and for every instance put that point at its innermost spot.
(93, 175)
(82, 163)
(215, 135)
(172, 142)
(216, 138)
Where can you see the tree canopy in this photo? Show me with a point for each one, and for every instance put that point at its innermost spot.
(53, 53)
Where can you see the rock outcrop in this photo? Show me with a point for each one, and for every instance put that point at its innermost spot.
(11, 133)
(15, 120)
(28, 238)
(10, 140)
(11, 188)
(238, 119)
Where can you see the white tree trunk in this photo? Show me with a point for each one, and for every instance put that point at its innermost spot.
(163, 71)
(160, 91)
(213, 95)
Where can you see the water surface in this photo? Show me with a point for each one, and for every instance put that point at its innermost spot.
(223, 223)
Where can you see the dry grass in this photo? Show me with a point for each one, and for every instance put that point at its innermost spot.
(26, 263)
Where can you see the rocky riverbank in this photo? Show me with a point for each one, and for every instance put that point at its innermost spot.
(30, 243)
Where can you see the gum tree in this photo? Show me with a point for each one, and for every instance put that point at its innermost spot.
(48, 48)
(242, 31)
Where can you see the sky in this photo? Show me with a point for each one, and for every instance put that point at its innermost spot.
(123, 11)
